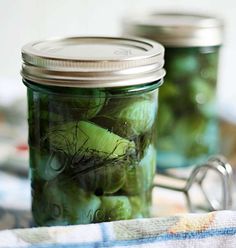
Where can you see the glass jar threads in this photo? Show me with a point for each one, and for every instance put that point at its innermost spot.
(92, 105)
(188, 125)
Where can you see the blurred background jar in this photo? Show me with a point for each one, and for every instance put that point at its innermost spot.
(188, 128)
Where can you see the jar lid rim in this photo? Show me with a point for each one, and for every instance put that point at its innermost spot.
(93, 61)
(177, 29)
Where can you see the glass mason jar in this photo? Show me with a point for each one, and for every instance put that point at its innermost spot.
(188, 124)
(92, 105)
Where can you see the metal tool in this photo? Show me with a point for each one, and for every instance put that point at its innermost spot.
(198, 177)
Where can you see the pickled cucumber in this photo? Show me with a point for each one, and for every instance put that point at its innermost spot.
(78, 106)
(87, 138)
(104, 178)
(141, 205)
(114, 208)
(140, 176)
(135, 117)
(47, 166)
(60, 204)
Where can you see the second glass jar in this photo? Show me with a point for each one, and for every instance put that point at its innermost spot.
(188, 123)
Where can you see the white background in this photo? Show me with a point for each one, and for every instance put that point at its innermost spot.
(22, 21)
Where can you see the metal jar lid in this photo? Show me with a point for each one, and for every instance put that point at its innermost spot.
(93, 62)
(177, 29)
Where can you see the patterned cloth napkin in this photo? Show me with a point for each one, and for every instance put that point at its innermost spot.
(215, 229)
